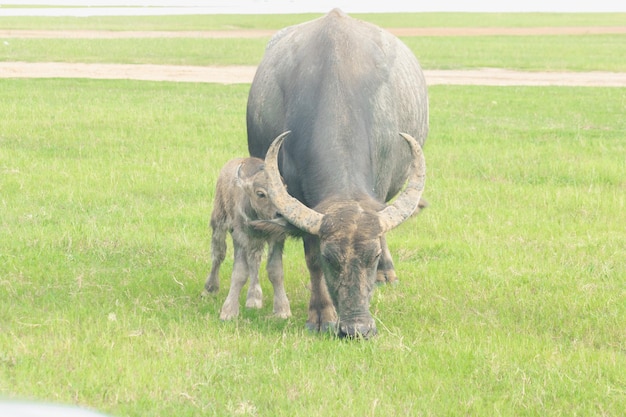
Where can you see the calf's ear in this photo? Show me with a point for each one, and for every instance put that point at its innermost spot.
(238, 179)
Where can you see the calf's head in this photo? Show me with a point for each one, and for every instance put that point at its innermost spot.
(252, 179)
(349, 234)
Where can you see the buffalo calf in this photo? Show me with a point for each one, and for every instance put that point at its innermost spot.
(241, 198)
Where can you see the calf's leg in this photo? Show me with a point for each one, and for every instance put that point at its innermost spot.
(238, 279)
(218, 253)
(254, 299)
(276, 277)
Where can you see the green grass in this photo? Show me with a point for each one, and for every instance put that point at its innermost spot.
(535, 53)
(528, 53)
(225, 22)
(512, 297)
(171, 51)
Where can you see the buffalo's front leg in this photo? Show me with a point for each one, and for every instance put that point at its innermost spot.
(322, 315)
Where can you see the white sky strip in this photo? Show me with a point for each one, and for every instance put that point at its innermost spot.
(187, 7)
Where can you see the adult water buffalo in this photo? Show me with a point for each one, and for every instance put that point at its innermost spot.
(346, 90)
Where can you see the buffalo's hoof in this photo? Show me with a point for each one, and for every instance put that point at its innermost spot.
(394, 283)
(330, 327)
(312, 327)
(386, 277)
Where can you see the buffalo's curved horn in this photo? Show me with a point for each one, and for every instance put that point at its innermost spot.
(290, 208)
(406, 203)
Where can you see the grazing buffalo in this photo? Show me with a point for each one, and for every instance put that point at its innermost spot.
(353, 97)
(240, 198)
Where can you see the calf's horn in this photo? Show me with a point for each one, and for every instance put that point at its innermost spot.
(290, 208)
(406, 203)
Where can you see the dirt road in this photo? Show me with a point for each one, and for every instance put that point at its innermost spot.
(244, 74)
(258, 33)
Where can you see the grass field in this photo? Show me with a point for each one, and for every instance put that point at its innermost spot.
(390, 20)
(512, 298)
(534, 53)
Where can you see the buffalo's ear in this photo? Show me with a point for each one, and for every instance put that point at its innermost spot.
(275, 227)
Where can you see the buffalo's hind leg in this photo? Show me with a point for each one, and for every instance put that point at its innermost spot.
(386, 272)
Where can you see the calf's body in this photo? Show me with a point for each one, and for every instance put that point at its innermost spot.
(241, 197)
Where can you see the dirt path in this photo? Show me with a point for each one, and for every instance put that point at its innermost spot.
(244, 74)
(257, 33)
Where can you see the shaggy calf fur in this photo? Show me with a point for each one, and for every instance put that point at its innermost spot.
(241, 198)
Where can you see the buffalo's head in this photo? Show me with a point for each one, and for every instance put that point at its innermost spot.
(349, 235)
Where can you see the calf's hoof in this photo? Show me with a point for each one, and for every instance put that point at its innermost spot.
(211, 288)
(283, 313)
(229, 312)
(254, 299)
